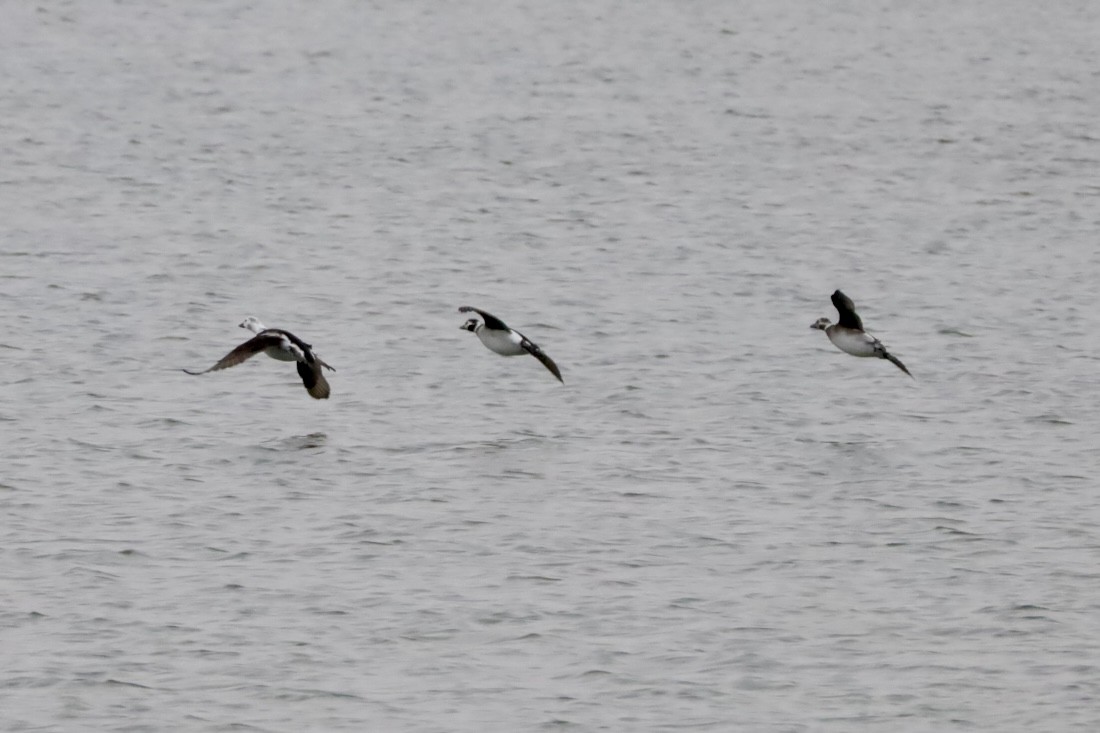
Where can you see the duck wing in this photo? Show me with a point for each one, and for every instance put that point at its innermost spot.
(491, 321)
(847, 311)
(314, 380)
(244, 352)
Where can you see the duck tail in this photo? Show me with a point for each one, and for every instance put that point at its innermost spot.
(897, 362)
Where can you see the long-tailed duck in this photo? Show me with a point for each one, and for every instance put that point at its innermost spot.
(848, 334)
(497, 337)
(281, 345)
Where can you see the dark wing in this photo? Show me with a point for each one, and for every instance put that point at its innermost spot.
(314, 380)
(847, 310)
(244, 352)
(491, 321)
(533, 349)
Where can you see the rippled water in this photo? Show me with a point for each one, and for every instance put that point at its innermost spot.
(719, 523)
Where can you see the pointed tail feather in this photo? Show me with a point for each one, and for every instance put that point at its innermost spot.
(533, 349)
(549, 364)
(897, 362)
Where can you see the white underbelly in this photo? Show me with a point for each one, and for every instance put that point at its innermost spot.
(502, 342)
(281, 354)
(853, 342)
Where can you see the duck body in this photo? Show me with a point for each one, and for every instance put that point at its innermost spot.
(856, 343)
(505, 343)
(500, 339)
(280, 345)
(848, 334)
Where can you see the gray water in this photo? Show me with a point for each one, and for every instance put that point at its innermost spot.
(719, 523)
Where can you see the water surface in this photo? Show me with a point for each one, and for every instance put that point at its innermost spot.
(719, 523)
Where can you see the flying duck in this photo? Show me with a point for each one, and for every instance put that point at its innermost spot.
(848, 334)
(281, 345)
(496, 336)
